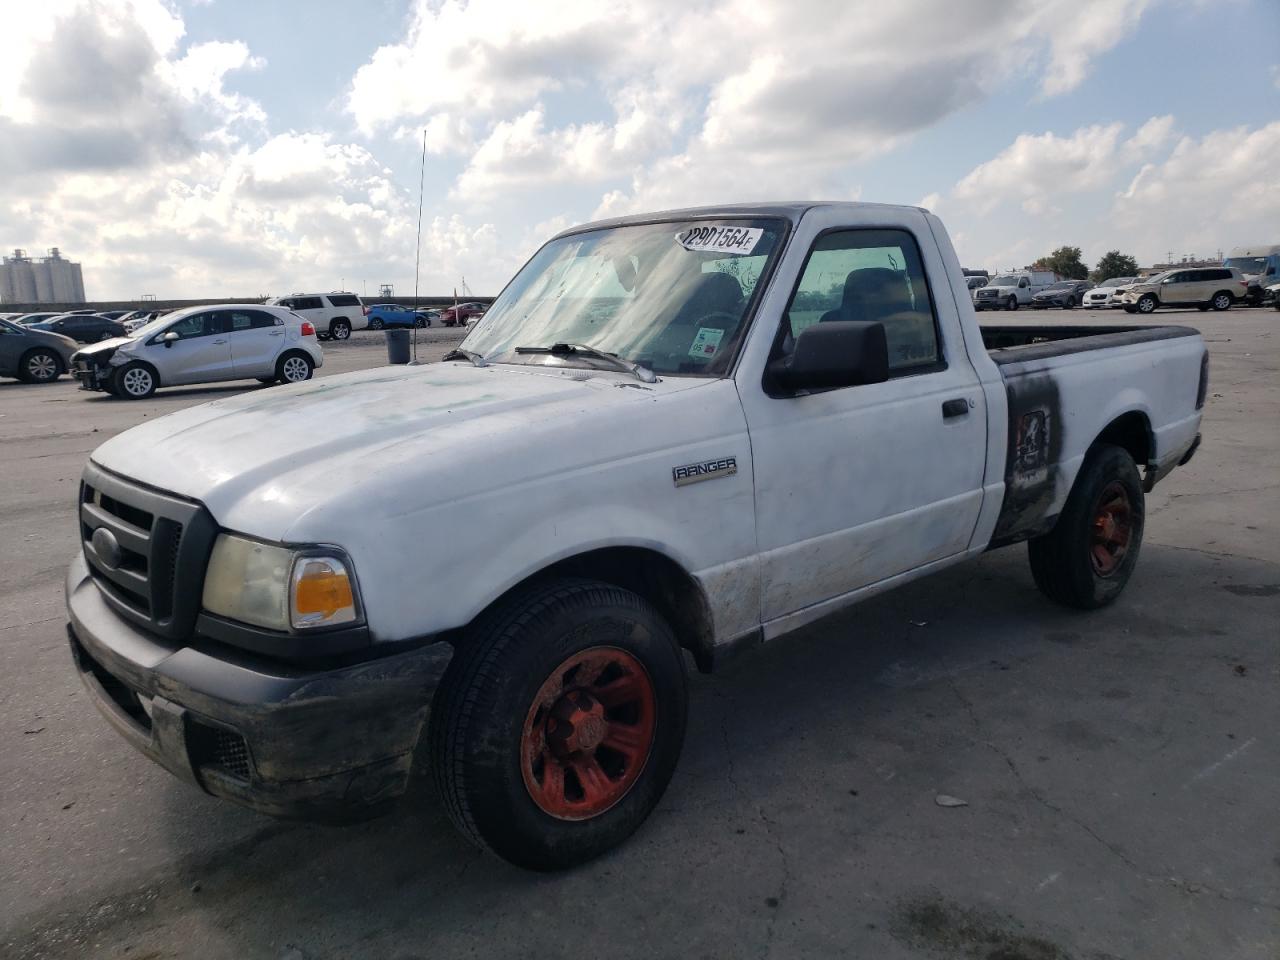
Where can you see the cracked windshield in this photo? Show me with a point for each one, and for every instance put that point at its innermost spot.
(671, 297)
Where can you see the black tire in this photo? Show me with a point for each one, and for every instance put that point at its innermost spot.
(375, 324)
(1129, 308)
(1147, 303)
(134, 381)
(487, 701)
(1065, 562)
(1071, 303)
(294, 367)
(1012, 303)
(1221, 301)
(40, 365)
(340, 329)
(1203, 308)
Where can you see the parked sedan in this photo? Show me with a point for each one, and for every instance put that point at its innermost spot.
(461, 313)
(83, 327)
(1064, 293)
(27, 319)
(203, 345)
(1104, 294)
(36, 356)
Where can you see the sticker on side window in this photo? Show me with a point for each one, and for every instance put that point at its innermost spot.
(711, 239)
(706, 343)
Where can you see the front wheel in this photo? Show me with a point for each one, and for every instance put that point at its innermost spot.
(294, 368)
(1221, 301)
(559, 722)
(1087, 558)
(1013, 303)
(134, 381)
(1146, 304)
(40, 366)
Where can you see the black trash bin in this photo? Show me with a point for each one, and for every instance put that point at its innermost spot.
(397, 345)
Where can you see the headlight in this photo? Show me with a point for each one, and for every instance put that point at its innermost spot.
(277, 587)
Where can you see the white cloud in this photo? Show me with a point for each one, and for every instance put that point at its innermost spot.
(711, 95)
(1097, 189)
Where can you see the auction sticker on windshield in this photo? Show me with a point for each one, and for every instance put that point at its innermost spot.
(711, 239)
(707, 342)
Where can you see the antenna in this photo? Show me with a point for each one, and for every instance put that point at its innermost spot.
(417, 252)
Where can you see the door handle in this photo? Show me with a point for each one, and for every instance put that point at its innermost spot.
(954, 408)
(217, 341)
(277, 333)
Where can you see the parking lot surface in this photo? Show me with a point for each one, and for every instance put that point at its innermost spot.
(1119, 769)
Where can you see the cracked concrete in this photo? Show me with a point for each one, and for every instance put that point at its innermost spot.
(1120, 767)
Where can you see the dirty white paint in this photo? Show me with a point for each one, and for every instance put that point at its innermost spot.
(473, 479)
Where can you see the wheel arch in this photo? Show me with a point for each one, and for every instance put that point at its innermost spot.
(653, 575)
(1130, 431)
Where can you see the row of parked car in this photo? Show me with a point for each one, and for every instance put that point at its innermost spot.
(1207, 288)
(338, 314)
(131, 353)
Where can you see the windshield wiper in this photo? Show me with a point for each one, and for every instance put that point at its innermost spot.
(459, 354)
(643, 374)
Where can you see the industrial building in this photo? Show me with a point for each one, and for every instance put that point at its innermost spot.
(48, 279)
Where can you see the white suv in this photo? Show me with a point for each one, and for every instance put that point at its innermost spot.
(232, 341)
(335, 314)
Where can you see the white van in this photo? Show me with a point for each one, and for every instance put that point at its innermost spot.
(1008, 291)
(334, 314)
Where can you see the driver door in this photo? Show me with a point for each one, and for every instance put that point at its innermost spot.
(200, 354)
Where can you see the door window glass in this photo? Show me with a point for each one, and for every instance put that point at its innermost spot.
(196, 325)
(871, 276)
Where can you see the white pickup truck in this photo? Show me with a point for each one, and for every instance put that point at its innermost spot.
(689, 431)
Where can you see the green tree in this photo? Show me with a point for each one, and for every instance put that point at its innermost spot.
(1065, 262)
(1114, 264)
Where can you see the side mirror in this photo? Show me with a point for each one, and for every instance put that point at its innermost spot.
(169, 339)
(838, 353)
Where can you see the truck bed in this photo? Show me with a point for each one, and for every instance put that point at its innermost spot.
(1046, 399)
(1017, 344)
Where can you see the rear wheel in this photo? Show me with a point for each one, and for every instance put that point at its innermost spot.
(375, 324)
(1221, 301)
(559, 723)
(40, 365)
(1087, 558)
(294, 368)
(134, 381)
(340, 330)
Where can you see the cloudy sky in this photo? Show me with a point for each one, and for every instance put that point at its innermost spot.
(228, 147)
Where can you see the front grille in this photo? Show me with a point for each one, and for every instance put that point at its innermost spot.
(218, 748)
(986, 293)
(146, 550)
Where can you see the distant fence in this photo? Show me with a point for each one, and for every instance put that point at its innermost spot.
(416, 302)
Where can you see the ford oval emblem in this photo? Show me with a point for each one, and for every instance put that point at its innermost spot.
(107, 547)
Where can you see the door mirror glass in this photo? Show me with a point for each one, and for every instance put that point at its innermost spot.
(837, 353)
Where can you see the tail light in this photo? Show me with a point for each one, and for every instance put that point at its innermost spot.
(1202, 391)
(308, 330)
(364, 310)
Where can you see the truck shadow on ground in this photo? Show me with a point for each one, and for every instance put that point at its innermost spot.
(800, 761)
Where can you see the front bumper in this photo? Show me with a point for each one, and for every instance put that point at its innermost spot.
(333, 743)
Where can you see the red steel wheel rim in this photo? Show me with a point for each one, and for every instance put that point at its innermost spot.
(588, 733)
(1112, 529)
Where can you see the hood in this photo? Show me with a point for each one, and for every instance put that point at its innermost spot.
(105, 346)
(262, 459)
(62, 342)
